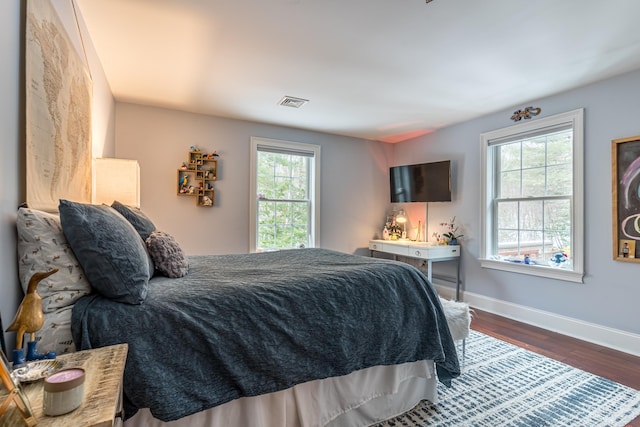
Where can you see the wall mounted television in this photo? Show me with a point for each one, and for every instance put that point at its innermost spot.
(425, 182)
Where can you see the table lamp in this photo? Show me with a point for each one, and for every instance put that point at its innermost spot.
(401, 218)
(117, 179)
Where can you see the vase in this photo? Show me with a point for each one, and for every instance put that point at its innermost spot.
(385, 234)
(453, 242)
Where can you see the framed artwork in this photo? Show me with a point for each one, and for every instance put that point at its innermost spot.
(14, 405)
(625, 166)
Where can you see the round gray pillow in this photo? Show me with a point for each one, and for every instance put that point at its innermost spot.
(167, 255)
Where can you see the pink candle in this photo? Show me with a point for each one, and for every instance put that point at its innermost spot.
(65, 375)
(63, 391)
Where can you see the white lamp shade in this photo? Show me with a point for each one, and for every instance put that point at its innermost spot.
(117, 179)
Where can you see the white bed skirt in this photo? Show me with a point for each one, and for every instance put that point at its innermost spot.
(359, 399)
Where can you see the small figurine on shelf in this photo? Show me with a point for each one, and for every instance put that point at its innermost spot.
(558, 258)
(213, 155)
(206, 201)
(184, 165)
(191, 189)
(184, 180)
(193, 148)
(439, 239)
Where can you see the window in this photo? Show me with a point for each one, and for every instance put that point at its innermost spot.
(285, 191)
(532, 220)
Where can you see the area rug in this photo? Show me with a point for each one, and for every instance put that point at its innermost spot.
(506, 385)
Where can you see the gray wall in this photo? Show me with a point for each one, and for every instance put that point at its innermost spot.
(11, 159)
(354, 182)
(610, 293)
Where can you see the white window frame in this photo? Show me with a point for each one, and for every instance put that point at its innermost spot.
(314, 188)
(576, 119)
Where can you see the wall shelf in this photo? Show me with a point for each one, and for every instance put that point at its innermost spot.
(197, 176)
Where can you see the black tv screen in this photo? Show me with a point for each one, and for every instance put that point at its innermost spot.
(425, 182)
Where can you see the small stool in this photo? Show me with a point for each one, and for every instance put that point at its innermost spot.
(459, 320)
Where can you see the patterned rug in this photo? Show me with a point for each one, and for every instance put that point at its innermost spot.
(506, 385)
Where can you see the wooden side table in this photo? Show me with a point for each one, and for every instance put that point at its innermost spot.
(102, 401)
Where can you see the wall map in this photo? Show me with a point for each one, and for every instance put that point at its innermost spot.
(58, 113)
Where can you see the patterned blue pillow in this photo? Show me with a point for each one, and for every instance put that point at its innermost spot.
(143, 225)
(109, 249)
(42, 247)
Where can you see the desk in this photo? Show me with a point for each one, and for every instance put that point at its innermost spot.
(421, 250)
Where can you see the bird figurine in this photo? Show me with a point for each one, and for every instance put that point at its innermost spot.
(30, 317)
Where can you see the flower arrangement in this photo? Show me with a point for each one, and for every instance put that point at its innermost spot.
(452, 233)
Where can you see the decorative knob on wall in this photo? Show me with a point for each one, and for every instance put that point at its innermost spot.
(525, 113)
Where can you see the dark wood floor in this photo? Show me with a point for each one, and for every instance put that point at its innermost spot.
(614, 365)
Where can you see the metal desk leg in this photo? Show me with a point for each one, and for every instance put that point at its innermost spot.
(458, 279)
(430, 271)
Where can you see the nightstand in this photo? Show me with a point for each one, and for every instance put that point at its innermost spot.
(102, 401)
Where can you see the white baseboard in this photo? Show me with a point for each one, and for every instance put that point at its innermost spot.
(597, 334)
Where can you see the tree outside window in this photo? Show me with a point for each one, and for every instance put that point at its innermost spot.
(533, 197)
(285, 183)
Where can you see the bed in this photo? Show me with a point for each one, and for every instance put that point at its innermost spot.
(298, 337)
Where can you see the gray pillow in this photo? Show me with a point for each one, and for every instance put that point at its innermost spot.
(109, 249)
(167, 254)
(143, 225)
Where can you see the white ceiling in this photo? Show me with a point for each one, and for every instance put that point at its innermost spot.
(383, 70)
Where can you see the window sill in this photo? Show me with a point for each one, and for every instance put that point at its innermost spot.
(534, 270)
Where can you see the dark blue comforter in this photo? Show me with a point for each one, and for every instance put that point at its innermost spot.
(244, 325)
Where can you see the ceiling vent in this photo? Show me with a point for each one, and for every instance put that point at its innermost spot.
(292, 101)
